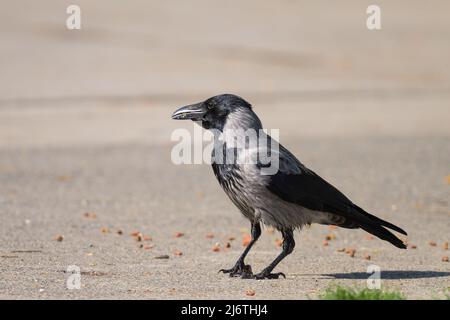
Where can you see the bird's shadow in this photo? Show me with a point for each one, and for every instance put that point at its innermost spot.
(391, 274)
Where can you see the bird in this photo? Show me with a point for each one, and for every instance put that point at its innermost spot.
(286, 199)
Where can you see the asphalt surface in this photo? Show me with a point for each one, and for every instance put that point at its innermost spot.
(85, 128)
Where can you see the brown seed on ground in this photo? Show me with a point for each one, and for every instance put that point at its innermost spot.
(278, 242)
(135, 233)
(325, 243)
(90, 215)
(104, 230)
(59, 238)
(250, 292)
(231, 238)
(178, 234)
(351, 252)
(432, 243)
(119, 232)
(445, 246)
(209, 235)
(138, 238)
(178, 253)
(367, 257)
(445, 259)
(64, 178)
(228, 245)
(341, 250)
(412, 246)
(330, 236)
(246, 240)
(164, 256)
(216, 247)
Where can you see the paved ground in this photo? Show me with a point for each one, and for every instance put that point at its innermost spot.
(85, 128)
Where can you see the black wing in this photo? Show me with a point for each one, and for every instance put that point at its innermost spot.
(296, 184)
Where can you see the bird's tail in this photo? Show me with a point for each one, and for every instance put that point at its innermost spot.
(380, 221)
(377, 227)
(383, 233)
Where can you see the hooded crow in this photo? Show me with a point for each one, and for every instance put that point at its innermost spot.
(288, 198)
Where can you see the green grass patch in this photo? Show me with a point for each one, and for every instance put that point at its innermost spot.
(346, 293)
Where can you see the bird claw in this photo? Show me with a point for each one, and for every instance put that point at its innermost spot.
(267, 275)
(239, 270)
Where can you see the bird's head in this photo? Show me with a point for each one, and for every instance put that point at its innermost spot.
(220, 111)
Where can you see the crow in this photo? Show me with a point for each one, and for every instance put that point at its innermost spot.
(288, 198)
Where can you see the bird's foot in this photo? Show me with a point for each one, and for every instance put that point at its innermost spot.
(239, 270)
(267, 275)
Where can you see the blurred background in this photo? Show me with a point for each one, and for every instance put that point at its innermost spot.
(85, 128)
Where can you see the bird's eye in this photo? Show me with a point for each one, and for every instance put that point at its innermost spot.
(209, 105)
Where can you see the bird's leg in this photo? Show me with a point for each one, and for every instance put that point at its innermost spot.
(240, 268)
(288, 247)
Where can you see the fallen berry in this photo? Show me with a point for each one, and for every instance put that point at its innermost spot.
(330, 237)
(104, 230)
(278, 242)
(216, 247)
(351, 252)
(250, 292)
(90, 215)
(246, 240)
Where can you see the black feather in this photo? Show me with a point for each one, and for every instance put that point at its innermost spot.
(309, 190)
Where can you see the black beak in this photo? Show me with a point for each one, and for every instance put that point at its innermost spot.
(194, 112)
